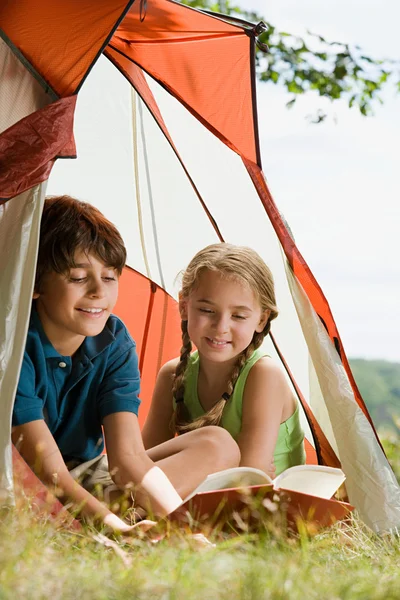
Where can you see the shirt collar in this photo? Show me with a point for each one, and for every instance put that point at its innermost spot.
(36, 324)
(91, 346)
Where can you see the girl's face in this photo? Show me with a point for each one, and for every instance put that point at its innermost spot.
(222, 316)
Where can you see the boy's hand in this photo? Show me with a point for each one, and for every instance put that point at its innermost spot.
(120, 527)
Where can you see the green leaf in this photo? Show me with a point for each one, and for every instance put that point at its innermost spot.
(334, 69)
(352, 100)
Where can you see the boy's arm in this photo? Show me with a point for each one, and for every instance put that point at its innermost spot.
(39, 449)
(130, 465)
(128, 462)
(37, 446)
(157, 427)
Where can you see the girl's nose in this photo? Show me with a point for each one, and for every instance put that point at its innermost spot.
(221, 324)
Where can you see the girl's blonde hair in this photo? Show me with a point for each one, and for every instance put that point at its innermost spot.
(241, 264)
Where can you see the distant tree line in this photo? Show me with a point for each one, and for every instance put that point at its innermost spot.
(379, 384)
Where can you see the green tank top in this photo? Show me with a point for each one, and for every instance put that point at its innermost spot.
(289, 449)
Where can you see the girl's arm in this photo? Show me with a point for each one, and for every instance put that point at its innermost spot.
(267, 401)
(157, 428)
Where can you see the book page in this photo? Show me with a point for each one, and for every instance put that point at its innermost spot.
(231, 478)
(314, 480)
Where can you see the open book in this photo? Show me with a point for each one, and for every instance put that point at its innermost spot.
(303, 492)
(314, 480)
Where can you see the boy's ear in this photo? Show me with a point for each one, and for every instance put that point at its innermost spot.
(182, 307)
(263, 321)
(35, 295)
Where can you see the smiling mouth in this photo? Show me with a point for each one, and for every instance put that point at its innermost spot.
(92, 311)
(215, 342)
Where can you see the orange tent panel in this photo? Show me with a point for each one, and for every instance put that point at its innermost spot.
(62, 56)
(177, 47)
(152, 318)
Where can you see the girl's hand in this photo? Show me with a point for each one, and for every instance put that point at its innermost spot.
(272, 470)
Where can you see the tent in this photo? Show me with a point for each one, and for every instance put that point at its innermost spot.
(158, 102)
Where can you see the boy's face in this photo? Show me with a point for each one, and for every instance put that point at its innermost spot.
(74, 305)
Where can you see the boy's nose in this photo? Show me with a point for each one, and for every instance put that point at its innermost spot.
(97, 289)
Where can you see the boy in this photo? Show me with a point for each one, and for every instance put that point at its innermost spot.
(80, 373)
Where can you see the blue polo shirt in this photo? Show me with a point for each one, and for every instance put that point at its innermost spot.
(74, 394)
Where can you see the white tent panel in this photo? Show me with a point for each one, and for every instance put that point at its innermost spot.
(104, 174)
(232, 199)
(176, 223)
(20, 93)
(319, 408)
(19, 234)
(371, 483)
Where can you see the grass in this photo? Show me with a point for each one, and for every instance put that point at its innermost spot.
(344, 562)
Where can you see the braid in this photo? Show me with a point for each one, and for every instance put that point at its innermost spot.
(214, 415)
(181, 415)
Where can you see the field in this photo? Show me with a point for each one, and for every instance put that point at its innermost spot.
(347, 561)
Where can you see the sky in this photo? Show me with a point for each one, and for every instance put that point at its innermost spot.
(336, 183)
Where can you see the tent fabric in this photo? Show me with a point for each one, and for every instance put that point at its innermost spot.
(154, 325)
(20, 93)
(369, 478)
(63, 39)
(136, 76)
(174, 45)
(30, 146)
(175, 168)
(19, 233)
(43, 502)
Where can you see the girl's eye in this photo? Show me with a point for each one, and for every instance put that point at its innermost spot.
(240, 317)
(206, 310)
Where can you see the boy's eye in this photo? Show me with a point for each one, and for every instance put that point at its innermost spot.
(109, 279)
(77, 279)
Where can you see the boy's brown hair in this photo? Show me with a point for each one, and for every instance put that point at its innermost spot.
(69, 225)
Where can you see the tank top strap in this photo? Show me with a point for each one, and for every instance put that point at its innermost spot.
(191, 377)
(192, 374)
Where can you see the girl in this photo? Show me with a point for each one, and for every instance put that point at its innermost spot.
(227, 303)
